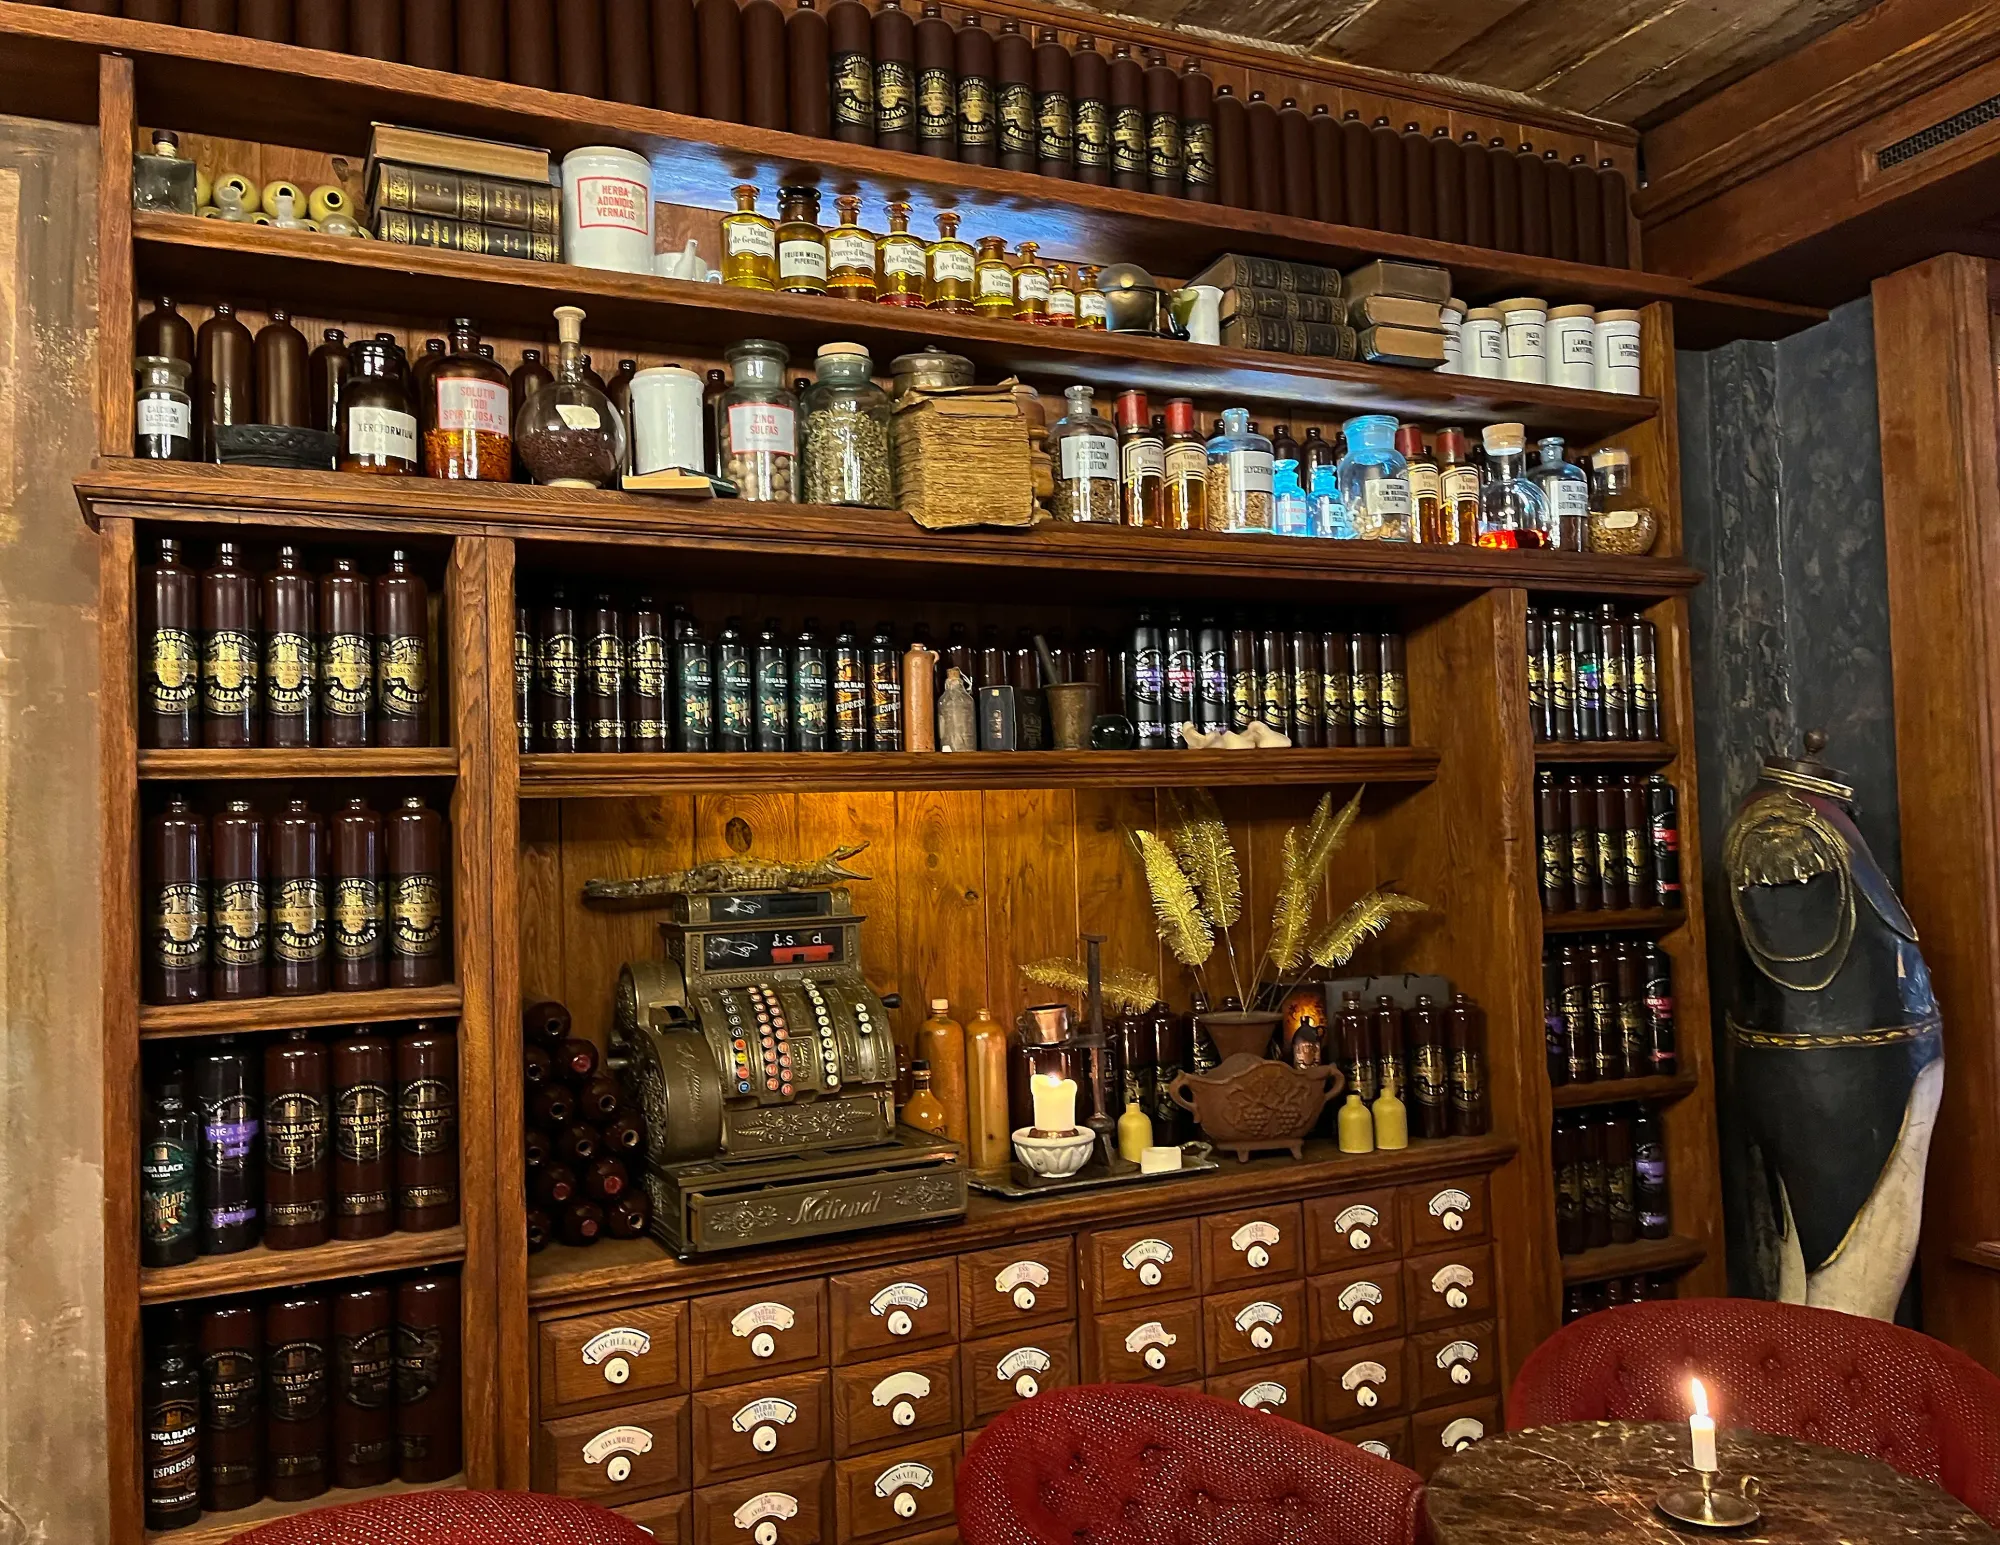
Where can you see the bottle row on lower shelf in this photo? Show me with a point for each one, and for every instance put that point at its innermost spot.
(1610, 1178)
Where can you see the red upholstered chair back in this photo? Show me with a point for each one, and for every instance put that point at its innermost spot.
(453, 1518)
(1121, 1464)
(1850, 1383)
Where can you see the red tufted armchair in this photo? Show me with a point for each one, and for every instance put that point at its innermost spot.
(1850, 1383)
(453, 1518)
(1120, 1464)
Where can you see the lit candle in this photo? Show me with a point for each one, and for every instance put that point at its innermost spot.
(1055, 1104)
(1702, 1426)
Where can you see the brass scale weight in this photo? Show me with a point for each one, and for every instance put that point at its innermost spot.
(765, 1063)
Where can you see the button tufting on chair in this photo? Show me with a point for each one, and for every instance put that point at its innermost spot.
(453, 1518)
(1850, 1383)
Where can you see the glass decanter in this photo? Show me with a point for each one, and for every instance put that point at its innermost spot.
(1512, 511)
(568, 434)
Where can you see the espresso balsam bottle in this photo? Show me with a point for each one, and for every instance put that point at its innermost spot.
(239, 913)
(1013, 78)
(357, 899)
(231, 1349)
(364, 1386)
(428, 1434)
(164, 333)
(1430, 1070)
(1055, 131)
(937, 84)
(297, 1174)
(176, 884)
(1295, 156)
(290, 676)
(364, 1117)
(401, 615)
(895, 48)
(228, 651)
(765, 104)
(298, 902)
(1447, 187)
(298, 1396)
(808, 72)
(426, 1129)
(647, 701)
(977, 109)
(169, 657)
(850, 36)
(556, 676)
(225, 1091)
(347, 656)
(1166, 165)
(1090, 112)
(602, 726)
(1477, 176)
(416, 895)
(169, 1152)
(171, 1419)
(1197, 94)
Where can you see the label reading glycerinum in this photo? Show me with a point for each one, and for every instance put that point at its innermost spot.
(617, 203)
(766, 1504)
(898, 1295)
(897, 1477)
(769, 1411)
(467, 406)
(762, 426)
(1031, 1273)
(1250, 471)
(1021, 1360)
(620, 1340)
(381, 432)
(763, 1316)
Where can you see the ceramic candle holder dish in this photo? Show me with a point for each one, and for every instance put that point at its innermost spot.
(1054, 1158)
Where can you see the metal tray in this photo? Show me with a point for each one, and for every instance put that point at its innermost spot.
(1017, 1183)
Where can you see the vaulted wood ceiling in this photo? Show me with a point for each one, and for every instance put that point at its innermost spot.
(1633, 61)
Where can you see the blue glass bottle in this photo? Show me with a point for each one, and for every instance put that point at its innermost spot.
(1291, 511)
(1322, 480)
(1374, 480)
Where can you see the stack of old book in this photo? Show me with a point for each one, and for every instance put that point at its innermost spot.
(468, 195)
(1287, 308)
(1396, 311)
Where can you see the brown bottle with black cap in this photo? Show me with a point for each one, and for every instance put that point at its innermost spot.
(364, 1386)
(719, 26)
(1614, 207)
(1014, 93)
(176, 962)
(401, 616)
(364, 1137)
(1419, 182)
(428, 1435)
(1476, 191)
(163, 331)
(297, 1171)
(936, 87)
(169, 654)
(1465, 1036)
(481, 38)
(1090, 112)
(580, 47)
(1260, 120)
(209, 15)
(299, 946)
(326, 373)
(416, 895)
(764, 65)
(1357, 165)
(1166, 160)
(1125, 111)
(228, 651)
(290, 674)
(978, 102)
(894, 37)
(807, 63)
(239, 939)
(1386, 150)
(357, 899)
(1447, 187)
(1560, 193)
(428, 40)
(270, 21)
(298, 1395)
(426, 1129)
(1329, 195)
(1504, 178)
(1295, 177)
(317, 25)
(628, 52)
(1198, 150)
(851, 37)
(1586, 210)
(676, 73)
(231, 1350)
(375, 29)
(347, 656)
(1055, 144)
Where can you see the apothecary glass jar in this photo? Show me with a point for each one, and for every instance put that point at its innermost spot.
(1621, 520)
(163, 413)
(1375, 481)
(377, 428)
(568, 433)
(1239, 475)
(844, 434)
(756, 424)
(1084, 449)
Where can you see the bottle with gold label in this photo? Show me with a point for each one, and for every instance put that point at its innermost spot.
(801, 243)
(1091, 313)
(993, 280)
(950, 268)
(1031, 286)
(749, 245)
(850, 253)
(1062, 297)
(900, 262)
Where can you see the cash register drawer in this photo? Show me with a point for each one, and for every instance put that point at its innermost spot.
(598, 1360)
(757, 1332)
(894, 1308)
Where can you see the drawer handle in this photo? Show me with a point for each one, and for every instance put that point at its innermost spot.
(1151, 1341)
(901, 1392)
(762, 1419)
(758, 1322)
(1147, 1257)
(1462, 1433)
(893, 1306)
(1255, 1321)
(1020, 1367)
(1376, 1447)
(762, 1514)
(1253, 1242)
(1020, 1281)
(1362, 1380)
(1450, 1283)
(1450, 1208)
(615, 1348)
(614, 1448)
(1457, 1360)
(1355, 1222)
(901, 1483)
(1359, 1300)
(1264, 1393)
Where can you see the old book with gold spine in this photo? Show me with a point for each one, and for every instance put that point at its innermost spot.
(473, 200)
(408, 230)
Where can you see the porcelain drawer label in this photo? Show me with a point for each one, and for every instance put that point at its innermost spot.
(619, 1339)
(1267, 1392)
(769, 1409)
(903, 1295)
(1364, 1373)
(1457, 1352)
(1021, 1274)
(1450, 1201)
(766, 1504)
(1260, 1313)
(1258, 1233)
(765, 1316)
(1155, 1250)
(913, 1385)
(1359, 1293)
(1450, 1277)
(1150, 1334)
(617, 1440)
(1023, 1360)
(896, 1477)
(1359, 1217)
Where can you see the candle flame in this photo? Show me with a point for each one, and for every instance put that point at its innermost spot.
(1700, 1398)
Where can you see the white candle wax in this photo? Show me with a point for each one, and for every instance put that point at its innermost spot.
(1055, 1103)
(1702, 1428)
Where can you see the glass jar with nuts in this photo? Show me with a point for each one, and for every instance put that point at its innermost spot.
(756, 424)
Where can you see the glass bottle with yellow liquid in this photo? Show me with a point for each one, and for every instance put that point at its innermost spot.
(993, 280)
(801, 243)
(1062, 298)
(850, 253)
(1031, 286)
(749, 245)
(922, 1109)
(951, 268)
(1092, 316)
(900, 262)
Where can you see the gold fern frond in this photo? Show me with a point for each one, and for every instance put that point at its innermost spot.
(1291, 915)
(1199, 838)
(1175, 909)
(1125, 991)
(1325, 835)
(1335, 944)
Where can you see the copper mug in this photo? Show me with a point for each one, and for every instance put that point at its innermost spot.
(1072, 708)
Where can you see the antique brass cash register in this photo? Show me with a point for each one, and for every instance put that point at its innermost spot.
(765, 1064)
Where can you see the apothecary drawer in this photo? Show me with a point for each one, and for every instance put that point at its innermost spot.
(1282, 1389)
(616, 1456)
(1242, 1248)
(600, 1360)
(781, 1507)
(1133, 1265)
(1436, 1435)
(1445, 1213)
(1357, 1306)
(1385, 1440)
(1266, 1324)
(669, 1519)
(892, 1308)
(1147, 1343)
(757, 1332)
(1361, 1384)
(741, 1429)
(1455, 1364)
(1347, 1230)
(1449, 1287)
(896, 1400)
(1001, 1371)
(1028, 1284)
(904, 1491)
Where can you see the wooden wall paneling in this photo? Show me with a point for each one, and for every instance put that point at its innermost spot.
(538, 894)
(617, 840)
(1111, 894)
(118, 872)
(941, 894)
(1031, 908)
(827, 821)
(117, 112)
(1935, 360)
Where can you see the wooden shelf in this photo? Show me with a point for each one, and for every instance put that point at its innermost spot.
(1985, 1254)
(362, 762)
(220, 1528)
(195, 258)
(252, 1270)
(1642, 1257)
(1623, 920)
(1620, 1091)
(603, 775)
(810, 545)
(162, 1021)
(1598, 753)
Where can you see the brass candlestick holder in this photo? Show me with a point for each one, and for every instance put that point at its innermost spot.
(1706, 1507)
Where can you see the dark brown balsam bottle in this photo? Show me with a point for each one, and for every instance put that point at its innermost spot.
(1568, 1158)
(1267, 190)
(531, 43)
(326, 372)
(1560, 194)
(1055, 131)
(416, 896)
(1197, 96)
(1582, 815)
(1357, 164)
(225, 1090)
(169, 657)
(232, 1407)
(1166, 160)
(1504, 179)
(810, 106)
(978, 106)
(628, 52)
(895, 50)
(602, 726)
(428, 1437)
(719, 25)
(1614, 207)
(1014, 88)
(936, 84)
(1295, 172)
(1090, 112)
(298, 1395)
(357, 899)
(169, 1167)
(228, 651)
(297, 1174)
(209, 15)
(850, 36)
(1465, 1034)
(171, 1417)
(1337, 687)
(224, 378)
(290, 674)
(1364, 669)
(1447, 188)
(347, 656)
(1419, 182)
(1478, 179)
(647, 704)
(176, 965)
(1551, 843)
(1329, 192)
(401, 616)
(426, 1129)
(1386, 151)
(556, 677)
(1608, 827)
(239, 916)
(364, 1118)
(524, 680)
(580, 47)
(1586, 210)
(375, 30)
(319, 26)
(282, 395)
(165, 332)
(1395, 691)
(364, 1387)
(1532, 189)
(1126, 106)
(481, 41)
(298, 902)
(676, 75)
(765, 93)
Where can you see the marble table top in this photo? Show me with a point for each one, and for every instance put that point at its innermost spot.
(1593, 1483)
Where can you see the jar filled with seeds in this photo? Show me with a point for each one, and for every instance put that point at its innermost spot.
(1084, 448)
(756, 424)
(1238, 493)
(1622, 520)
(568, 434)
(844, 433)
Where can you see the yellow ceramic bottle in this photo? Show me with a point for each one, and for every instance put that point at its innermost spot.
(1392, 1122)
(1135, 1133)
(1357, 1128)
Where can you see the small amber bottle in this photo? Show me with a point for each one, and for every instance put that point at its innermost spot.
(801, 243)
(951, 268)
(923, 1109)
(749, 245)
(1062, 297)
(1091, 316)
(850, 253)
(1031, 286)
(993, 280)
(900, 262)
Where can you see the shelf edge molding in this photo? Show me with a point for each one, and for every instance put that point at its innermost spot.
(232, 1016)
(258, 1268)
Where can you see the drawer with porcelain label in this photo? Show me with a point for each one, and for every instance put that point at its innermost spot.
(1012, 1285)
(777, 1507)
(669, 1520)
(1254, 1325)
(1133, 1265)
(1438, 1434)
(616, 1456)
(1281, 1389)
(896, 1400)
(900, 1492)
(1449, 1287)
(1385, 1440)
(1444, 1213)
(1359, 1384)
(1001, 1371)
(1147, 1343)
(1355, 1306)
(757, 1332)
(598, 1360)
(1455, 1364)
(741, 1429)
(877, 1313)
(1347, 1230)
(1242, 1248)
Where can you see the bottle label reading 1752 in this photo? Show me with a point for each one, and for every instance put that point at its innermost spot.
(854, 91)
(357, 918)
(1093, 133)
(294, 1132)
(361, 1116)
(426, 1116)
(402, 676)
(895, 106)
(1054, 141)
(173, 671)
(347, 668)
(239, 918)
(418, 916)
(975, 110)
(228, 673)
(937, 106)
(1198, 143)
(1017, 119)
(180, 925)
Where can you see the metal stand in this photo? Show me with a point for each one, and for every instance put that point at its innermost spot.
(1707, 1508)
